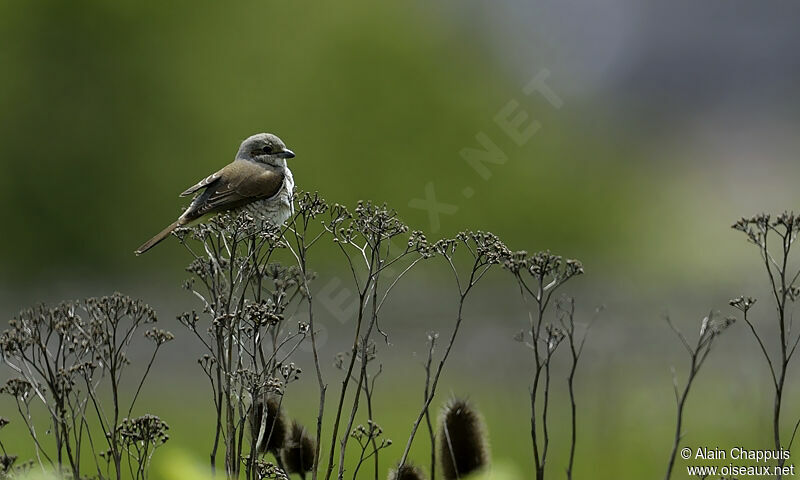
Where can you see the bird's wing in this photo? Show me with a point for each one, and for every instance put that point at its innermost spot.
(202, 183)
(238, 184)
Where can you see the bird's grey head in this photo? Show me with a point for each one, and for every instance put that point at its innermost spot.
(264, 148)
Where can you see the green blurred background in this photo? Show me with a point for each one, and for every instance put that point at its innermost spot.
(675, 119)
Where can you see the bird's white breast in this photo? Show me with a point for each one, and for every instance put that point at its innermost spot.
(278, 208)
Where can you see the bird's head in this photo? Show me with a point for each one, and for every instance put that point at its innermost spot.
(264, 148)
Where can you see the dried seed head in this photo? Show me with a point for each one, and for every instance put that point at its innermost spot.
(268, 470)
(742, 303)
(268, 425)
(145, 429)
(159, 336)
(463, 446)
(406, 472)
(17, 387)
(298, 453)
(6, 463)
(310, 205)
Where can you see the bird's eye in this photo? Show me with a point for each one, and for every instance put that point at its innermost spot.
(267, 149)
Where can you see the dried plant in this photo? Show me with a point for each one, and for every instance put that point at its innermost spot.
(463, 443)
(368, 239)
(367, 387)
(248, 299)
(266, 470)
(370, 439)
(482, 250)
(70, 358)
(566, 314)
(253, 282)
(538, 277)
(303, 237)
(139, 438)
(710, 328)
(774, 237)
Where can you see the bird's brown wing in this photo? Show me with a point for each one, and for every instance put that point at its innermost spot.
(202, 183)
(239, 183)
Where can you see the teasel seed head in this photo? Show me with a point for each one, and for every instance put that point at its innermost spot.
(406, 472)
(463, 447)
(298, 453)
(270, 432)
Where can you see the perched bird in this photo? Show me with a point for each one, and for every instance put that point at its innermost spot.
(257, 180)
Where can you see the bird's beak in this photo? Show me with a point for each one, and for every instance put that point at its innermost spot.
(286, 153)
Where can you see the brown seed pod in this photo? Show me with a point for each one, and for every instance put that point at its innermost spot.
(270, 432)
(406, 472)
(463, 447)
(298, 453)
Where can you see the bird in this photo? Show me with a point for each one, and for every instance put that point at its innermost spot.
(257, 181)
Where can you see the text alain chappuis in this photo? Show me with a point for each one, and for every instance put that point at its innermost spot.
(734, 453)
(740, 461)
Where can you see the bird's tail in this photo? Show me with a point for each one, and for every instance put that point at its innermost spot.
(160, 236)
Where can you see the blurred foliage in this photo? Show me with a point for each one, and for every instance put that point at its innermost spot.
(110, 109)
